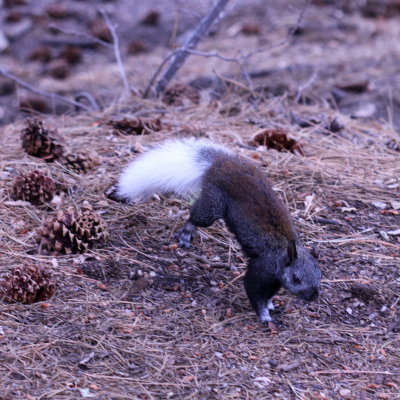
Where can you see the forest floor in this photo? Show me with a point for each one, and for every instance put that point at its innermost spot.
(139, 318)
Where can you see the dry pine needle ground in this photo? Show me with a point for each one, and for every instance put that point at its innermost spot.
(138, 318)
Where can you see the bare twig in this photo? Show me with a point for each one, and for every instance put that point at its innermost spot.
(349, 371)
(155, 75)
(92, 101)
(182, 53)
(91, 40)
(301, 16)
(117, 53)
(40, 92)
(305, 85)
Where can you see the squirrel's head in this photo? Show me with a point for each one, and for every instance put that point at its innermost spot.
(301, 274)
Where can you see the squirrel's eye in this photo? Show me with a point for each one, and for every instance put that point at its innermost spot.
(296, 280)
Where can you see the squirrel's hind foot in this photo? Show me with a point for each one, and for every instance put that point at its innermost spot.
(185, 235)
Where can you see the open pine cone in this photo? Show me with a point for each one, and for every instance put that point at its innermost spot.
(136, 126)
(40, 142)
(72, 231)
(34, 187)
(181, 94)
(81, 161)
(27, 284)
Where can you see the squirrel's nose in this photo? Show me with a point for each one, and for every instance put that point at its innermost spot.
(310, 295)
(313, 295)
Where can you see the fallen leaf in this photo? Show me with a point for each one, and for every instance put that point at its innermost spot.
(228, 313)
(395, 205)
(85, 392)
(384, 235)
(373, 386)
(17, 203)
(101, 285)
(389, 212)
(308, 203)
(379, 204)
(82, 364)
(273, 328)
(261, 382)
(365, 111)
(345, 392)
(289, 366)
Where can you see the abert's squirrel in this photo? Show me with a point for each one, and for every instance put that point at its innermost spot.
(230, 187)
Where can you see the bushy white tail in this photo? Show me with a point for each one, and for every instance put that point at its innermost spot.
(175, 166)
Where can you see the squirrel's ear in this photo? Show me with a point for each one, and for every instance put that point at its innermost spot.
(291, 252)
(314, 251)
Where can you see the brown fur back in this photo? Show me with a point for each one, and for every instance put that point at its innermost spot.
(249, 187)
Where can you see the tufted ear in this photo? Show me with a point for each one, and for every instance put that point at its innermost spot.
(314, 251)
(291, 252)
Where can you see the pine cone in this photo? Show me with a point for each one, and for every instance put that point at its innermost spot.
(136, 126)
(72, 231)
(34, 187)
(81, 161)
(40, 142)
(393, 144)
(178, 93)
(27, 284)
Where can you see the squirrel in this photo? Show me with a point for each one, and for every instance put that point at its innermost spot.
(229, 187)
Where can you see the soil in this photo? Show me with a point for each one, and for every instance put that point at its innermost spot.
(139, 318)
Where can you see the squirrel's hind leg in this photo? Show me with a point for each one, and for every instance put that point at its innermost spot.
(208, 208)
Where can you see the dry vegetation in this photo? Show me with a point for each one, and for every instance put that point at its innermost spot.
(139, 318)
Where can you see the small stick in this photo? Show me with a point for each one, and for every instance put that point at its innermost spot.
(117, 52)
(40, 92)
(231, 282)
(360, 240)
(92, 101)
(356, 371)
(328, 221)
(155, 75)
(181, 54)
(90, 38)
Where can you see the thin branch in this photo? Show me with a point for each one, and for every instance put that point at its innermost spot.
(155, 75)
(91, 100)
(305, 85)
(40, 92)
(181, 54)
(117, 52)
(91, 39)
(301, 16)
